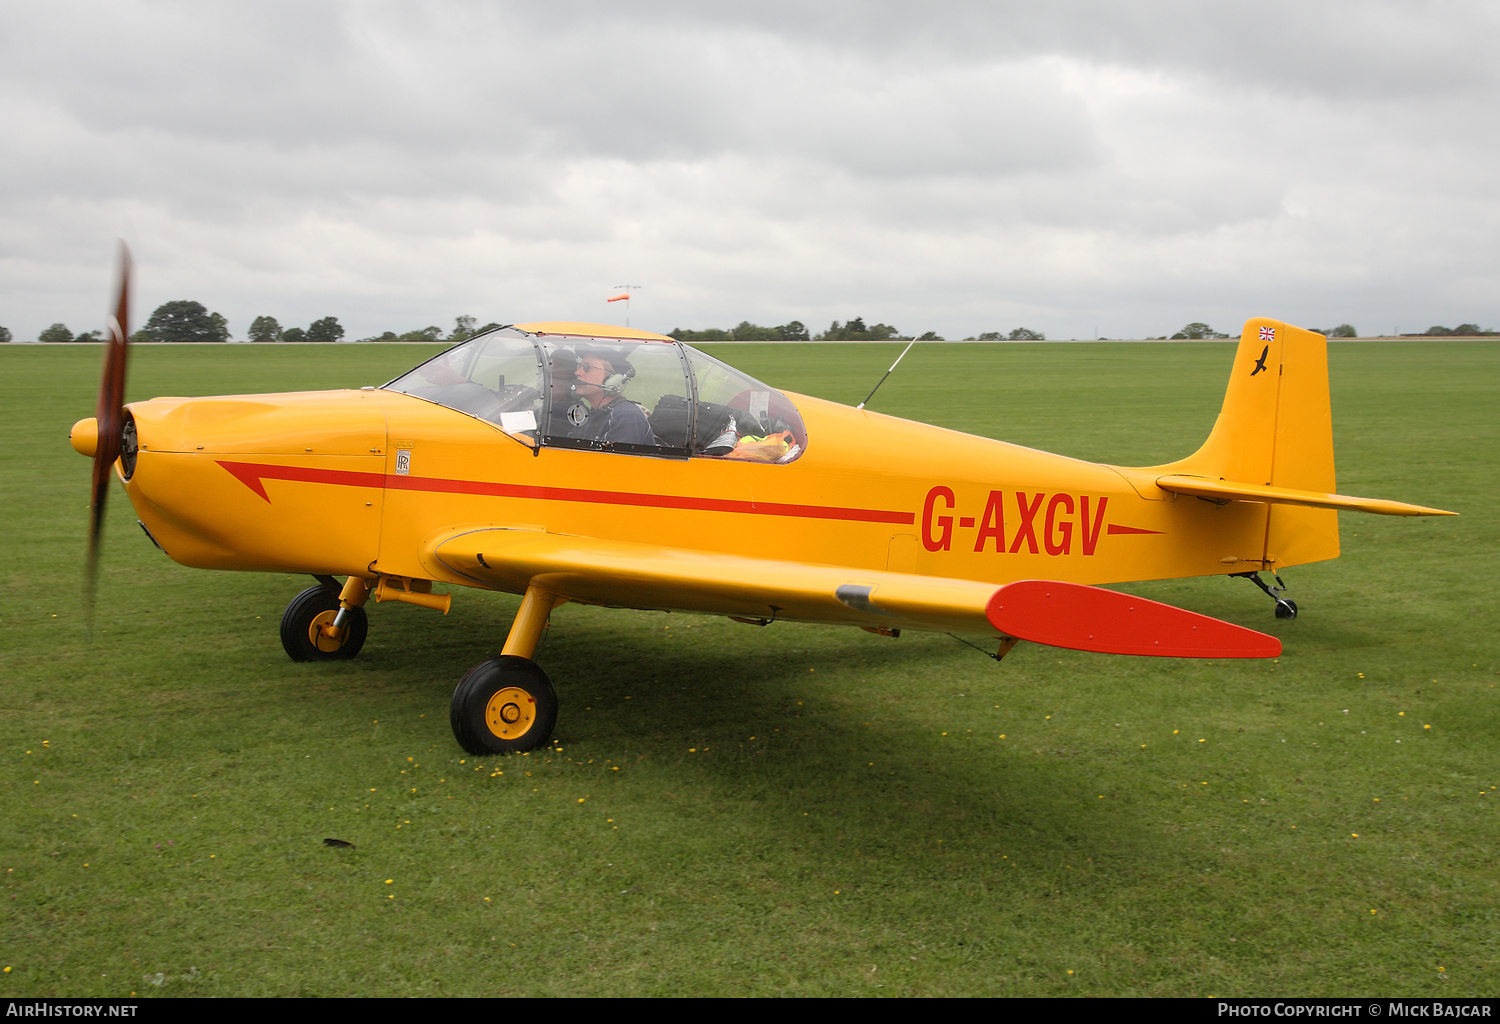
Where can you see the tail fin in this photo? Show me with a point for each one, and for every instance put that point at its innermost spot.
(1276, 429)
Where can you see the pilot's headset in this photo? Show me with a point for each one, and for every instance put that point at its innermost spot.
(622, 371)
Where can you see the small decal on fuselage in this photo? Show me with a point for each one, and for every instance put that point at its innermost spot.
(403, 462)
(1260, 364)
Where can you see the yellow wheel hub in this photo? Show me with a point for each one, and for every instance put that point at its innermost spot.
(320, 632)
(510, 713)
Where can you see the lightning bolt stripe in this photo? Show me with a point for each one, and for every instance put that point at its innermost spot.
(253, 475)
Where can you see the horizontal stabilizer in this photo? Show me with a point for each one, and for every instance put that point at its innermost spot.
(1230, 490)
(1093, 619)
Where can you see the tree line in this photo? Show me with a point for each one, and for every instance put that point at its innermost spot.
(184, 320)
(1461, 331)
(464, 328)
(1201, 331)
(854, 330)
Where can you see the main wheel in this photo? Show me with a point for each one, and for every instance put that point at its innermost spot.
(503, 706)
(302, 627)
(1286, 608)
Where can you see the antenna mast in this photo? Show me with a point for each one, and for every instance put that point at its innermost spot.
(876, 388)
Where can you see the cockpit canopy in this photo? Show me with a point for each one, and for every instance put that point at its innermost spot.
(640, 396)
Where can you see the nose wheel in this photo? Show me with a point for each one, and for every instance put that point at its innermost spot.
(308, 630)
(504, 706)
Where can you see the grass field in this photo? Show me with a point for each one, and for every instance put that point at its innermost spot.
(797, 810)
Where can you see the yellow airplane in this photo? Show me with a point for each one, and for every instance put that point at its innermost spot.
(609, 466)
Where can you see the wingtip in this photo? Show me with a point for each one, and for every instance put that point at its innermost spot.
(1402, 508)
(1084, 618)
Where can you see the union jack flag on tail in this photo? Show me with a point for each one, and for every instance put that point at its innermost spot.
(1268, 334)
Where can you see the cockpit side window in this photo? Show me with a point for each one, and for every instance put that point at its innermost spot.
(602, 394)
(495, 377)
(739, 418)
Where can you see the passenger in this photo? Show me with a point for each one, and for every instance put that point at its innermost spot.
(563, 365)
(600, 380)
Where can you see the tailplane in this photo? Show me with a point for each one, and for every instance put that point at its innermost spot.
(1273, 443)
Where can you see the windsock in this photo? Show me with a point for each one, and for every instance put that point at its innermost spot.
(617, 298)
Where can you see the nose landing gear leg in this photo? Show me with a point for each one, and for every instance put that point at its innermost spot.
(1285, 607)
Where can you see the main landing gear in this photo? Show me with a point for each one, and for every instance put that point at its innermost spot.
(504, 705)
(501, 706)
(507, 704)
(1285, 607)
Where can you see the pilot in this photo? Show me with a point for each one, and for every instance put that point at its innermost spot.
(600, 381)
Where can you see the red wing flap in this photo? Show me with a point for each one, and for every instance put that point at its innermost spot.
(1093, 619)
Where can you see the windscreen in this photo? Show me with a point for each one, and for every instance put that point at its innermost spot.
(496, 377)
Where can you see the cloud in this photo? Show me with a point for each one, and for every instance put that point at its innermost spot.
(959, 167)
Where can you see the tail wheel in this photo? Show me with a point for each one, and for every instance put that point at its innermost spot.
(1286, 608)
(305, 623)
(503, 706)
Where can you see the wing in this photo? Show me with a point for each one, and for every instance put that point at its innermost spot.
(635, 575)
(652, 576)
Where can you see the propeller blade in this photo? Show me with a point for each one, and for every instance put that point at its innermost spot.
(110, 414)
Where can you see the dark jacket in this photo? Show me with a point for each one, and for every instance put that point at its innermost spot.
(619, 422)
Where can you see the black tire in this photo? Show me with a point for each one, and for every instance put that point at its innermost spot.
(504, 706)
(302, 616)
(1286, 609)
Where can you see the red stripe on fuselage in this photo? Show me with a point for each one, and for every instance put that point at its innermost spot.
(251, 474)
(1129, 529)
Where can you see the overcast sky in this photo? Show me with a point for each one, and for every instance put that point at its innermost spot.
(962, 167)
